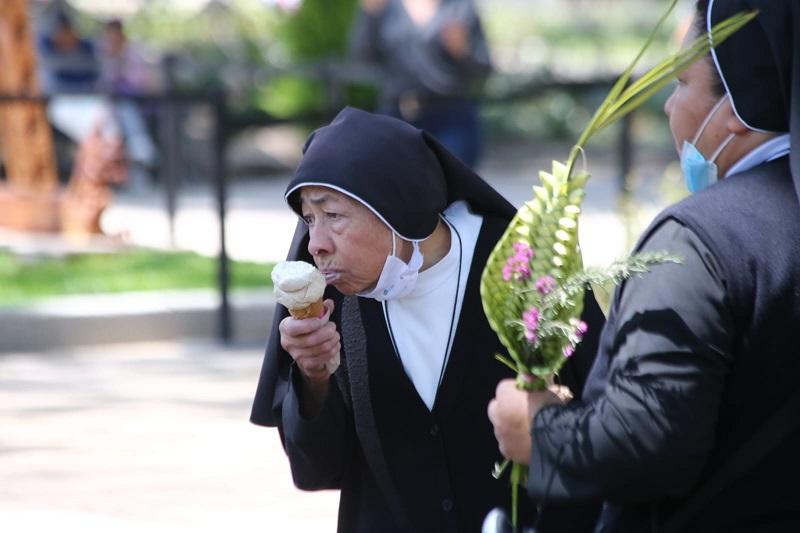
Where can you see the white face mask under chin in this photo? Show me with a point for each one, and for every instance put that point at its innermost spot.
(397, 277)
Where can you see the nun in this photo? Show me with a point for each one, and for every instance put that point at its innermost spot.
(384, 397)
(690, 419)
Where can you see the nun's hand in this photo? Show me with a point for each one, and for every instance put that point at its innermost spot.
(511, 412)
(314, 345)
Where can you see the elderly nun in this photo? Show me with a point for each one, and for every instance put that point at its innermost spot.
(401, 230)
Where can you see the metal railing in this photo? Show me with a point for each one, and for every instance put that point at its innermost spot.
(169, 170)
(224, 124)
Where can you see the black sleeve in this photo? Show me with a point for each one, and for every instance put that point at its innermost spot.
(317, 447)
(656, 417)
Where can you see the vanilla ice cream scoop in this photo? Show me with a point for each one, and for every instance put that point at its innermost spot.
(299, 286)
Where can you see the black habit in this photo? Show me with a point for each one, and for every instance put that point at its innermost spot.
(400, 467)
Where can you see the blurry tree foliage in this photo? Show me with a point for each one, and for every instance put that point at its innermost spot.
(284, 62)
(314, 39)
(224, 45)
(318, 29)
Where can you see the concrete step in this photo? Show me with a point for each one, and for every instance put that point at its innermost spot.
(132, 317)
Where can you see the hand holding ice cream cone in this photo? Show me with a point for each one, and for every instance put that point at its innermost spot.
(314, 345)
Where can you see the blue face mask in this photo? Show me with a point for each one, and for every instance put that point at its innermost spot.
(699, 173)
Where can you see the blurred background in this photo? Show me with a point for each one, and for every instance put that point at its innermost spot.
(144, 149)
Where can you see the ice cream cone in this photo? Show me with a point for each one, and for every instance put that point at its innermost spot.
(300, 287)
(315, 310)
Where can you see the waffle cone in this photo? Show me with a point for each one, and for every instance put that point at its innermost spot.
(314, 310)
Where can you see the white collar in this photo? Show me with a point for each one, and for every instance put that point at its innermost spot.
(442, 272)
(772, 149)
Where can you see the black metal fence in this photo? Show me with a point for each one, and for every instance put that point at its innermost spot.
(167, 112)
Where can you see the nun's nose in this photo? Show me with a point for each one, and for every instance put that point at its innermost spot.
(319, 242)
(668, 105)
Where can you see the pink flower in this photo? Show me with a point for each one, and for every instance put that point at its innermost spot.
(581, 329)
(523, 250)
(545, 284)
(531, 320)
(508, 272)
(518, 265)
(568, 351)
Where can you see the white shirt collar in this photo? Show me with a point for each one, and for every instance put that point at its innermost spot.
(772, 149)
(439, 274)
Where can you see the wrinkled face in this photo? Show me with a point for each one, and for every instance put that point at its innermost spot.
(690, 102)
(348, 242)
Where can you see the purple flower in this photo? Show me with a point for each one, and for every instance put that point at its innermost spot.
(568, 351)
(523, 250)
(518, 265)
(545, 284)
(581, 329)
(508, 271)
(531, 320)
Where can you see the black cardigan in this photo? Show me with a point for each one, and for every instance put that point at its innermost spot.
(693, 360)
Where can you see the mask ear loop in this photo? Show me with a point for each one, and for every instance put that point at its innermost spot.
(415, 244)
(708, 118)
(722, 146)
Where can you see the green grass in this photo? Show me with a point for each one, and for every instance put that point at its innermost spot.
(24, 278)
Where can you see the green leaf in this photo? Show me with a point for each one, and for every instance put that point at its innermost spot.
(541, 194)
(506, 361)
(621, 100)
(620, 84)
(664, 72)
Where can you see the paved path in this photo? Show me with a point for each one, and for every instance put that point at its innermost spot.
(148, 437)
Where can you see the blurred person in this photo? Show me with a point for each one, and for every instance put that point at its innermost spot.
(689, 421)
(434, 60)
(384, 396)
(69, 72)
(125, 72)
(124, 67)
(68, 62)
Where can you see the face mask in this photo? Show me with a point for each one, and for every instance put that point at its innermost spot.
(699, 173)
(397, 278)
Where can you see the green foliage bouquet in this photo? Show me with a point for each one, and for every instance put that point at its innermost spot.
(534, 281)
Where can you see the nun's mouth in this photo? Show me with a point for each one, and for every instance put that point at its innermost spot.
(331, 276)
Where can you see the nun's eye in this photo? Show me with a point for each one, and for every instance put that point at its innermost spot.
(308, 219)
(333, 216)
